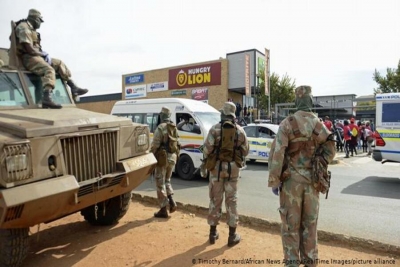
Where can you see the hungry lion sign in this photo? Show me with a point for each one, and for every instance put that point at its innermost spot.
(195, 76)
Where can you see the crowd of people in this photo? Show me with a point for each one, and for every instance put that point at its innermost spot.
(351, 136)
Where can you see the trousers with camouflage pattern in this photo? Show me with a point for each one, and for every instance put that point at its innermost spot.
(299, 206)
(217, 189)
(163, 182)
(40, 67)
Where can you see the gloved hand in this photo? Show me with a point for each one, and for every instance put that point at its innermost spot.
(276, 190)
(46, 57)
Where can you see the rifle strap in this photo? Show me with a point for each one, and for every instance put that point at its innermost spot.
(293, 147)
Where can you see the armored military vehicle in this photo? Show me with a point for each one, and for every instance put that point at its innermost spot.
(55, 162)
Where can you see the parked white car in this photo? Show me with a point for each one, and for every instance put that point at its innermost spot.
(260, 136)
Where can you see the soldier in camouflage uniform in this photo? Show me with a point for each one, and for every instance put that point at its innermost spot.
(38, 61)
(299, 201)
(224, 184)
(163, 174)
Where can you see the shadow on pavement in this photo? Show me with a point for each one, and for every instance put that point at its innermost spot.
(375, 186)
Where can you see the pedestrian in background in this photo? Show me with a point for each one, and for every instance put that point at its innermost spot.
(328, 123)
(354, 137)
(346, 137)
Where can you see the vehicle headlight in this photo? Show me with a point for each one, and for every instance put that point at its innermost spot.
(142, 140)
(17, 163)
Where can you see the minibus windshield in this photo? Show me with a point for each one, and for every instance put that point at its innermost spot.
(208, 119)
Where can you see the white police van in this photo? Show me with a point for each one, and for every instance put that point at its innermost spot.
(260, 136)
(202, 115)
(387, 134)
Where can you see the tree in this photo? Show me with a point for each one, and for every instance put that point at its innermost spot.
(282, 90)
(390, 83)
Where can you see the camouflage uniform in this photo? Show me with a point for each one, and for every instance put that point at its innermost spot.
(163, 174)
(217, 187)
(299, 201)
(39, 62)
(25, 33)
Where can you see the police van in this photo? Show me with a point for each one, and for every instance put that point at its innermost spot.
(200, 116)
(387, 134)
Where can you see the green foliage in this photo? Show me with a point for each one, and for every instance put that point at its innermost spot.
(282, 90)
(390, 83)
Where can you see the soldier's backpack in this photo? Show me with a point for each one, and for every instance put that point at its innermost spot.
(321, 177)
(172, 145)
(227, 142)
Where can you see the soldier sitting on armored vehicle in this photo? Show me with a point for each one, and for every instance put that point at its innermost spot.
(38, 61)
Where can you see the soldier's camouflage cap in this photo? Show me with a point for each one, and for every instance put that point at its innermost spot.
(303, 91)
(35, 13)
(228, 109)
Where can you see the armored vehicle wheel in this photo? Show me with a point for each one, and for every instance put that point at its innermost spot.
(14, 245)
(109, 212)
(185, 167)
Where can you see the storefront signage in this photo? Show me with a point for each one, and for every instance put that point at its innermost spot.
(200, 94)
(134, 79)
(157, 87)
(247, 74)
(178, 92)
(195, 76)
(136, 91)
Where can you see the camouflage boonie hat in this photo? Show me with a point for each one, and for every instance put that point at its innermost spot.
(229, 109)
(35, 13)
(303, 91)
(166, 111)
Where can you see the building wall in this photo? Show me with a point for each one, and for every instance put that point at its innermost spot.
(217, 94)
(101, 107)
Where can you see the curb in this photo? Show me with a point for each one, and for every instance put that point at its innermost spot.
(334, 161)
(355, 243)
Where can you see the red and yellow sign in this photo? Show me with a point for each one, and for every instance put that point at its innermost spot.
(195, 76)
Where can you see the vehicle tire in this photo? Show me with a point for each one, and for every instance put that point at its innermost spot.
(14, 246)
(252, 160)
(115, 209)
(185, 167)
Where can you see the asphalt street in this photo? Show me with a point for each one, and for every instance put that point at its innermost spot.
(364, 199)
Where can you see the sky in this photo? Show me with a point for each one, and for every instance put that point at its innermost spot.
(334, 46)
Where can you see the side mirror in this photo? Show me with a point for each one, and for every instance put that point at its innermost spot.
(196, 129)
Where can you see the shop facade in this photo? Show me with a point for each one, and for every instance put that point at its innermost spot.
(213, 82)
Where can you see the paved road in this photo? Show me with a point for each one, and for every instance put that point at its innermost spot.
(364, 199)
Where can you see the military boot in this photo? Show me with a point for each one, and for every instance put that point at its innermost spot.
(75, 90)
(162, 213)
(214, 235)
(47, 102)
(172, 204)
(233, 238)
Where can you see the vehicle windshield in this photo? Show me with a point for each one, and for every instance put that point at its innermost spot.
(208, 119)
(34, 82)
(11, 93)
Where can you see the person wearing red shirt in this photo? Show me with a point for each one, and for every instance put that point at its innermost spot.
(328, 123)
(353, 142)
(346, 137)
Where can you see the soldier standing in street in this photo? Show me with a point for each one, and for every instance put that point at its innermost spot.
(290, 176)
(225, 149)
(38, 61)
(165, 147)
